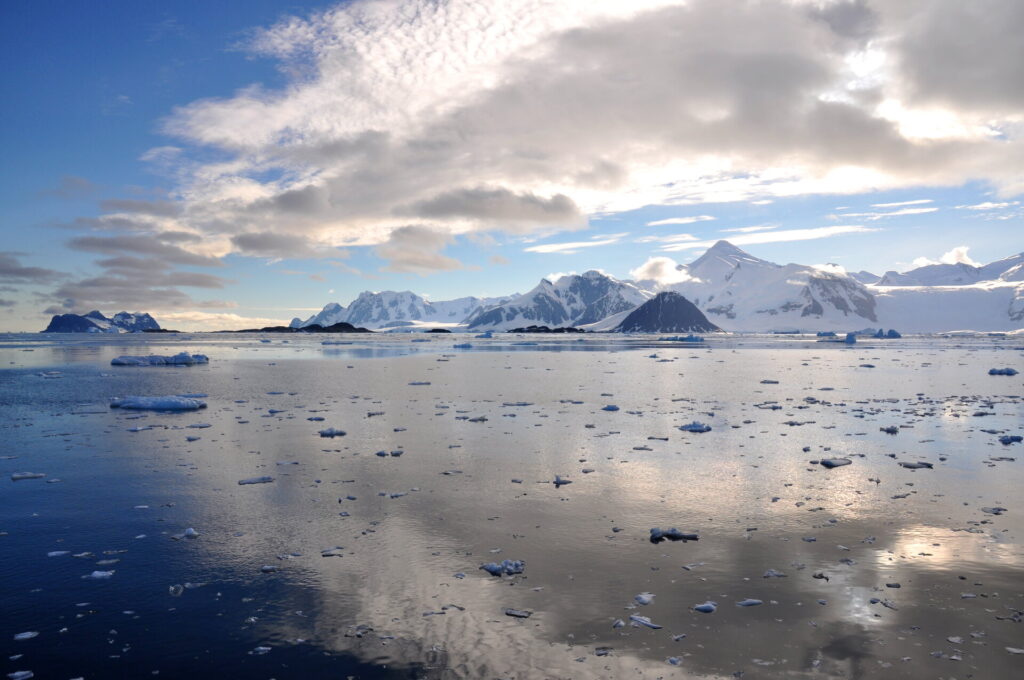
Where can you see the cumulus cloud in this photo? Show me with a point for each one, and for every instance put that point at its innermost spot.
(663, 270)
(957, 255)
(277, 245)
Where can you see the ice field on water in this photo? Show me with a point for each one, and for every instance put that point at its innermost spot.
(429, 540)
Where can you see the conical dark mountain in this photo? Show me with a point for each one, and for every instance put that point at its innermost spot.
(667, 313)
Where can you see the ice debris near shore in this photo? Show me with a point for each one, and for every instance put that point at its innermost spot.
(505, 567)
(673, 534)
(180, 359)
(168, 403)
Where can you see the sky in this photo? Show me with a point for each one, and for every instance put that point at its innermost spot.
(237, 164)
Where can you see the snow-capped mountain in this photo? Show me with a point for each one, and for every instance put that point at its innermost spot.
(959, 274)
(865, 277)
(741, 292)
(95, 322)
(391, 309)
(573, 300)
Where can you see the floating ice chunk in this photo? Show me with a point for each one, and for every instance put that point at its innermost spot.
(99, 575)
(749, 602)
(644, 598)
(772, 573)
(890, 429)
(486, 335)
(610, 407)
(1008, 439)
(708, 607)
(260, 651)
(835, 462)
(916, 466)
(673, 534)
(256, 480)
(25, 675)
(268, 569)
(561, 481)
(57, 553)
(673, 661)
(181, 359)
(695, 427)
(18, 476)
(169, 403)
(463, 345)
(994, 511)
(518, 613)
(644, 621)
(510, 567)
(332, 432)
(27, 635)
(1002, 371)
(618, 623)
(420, 382)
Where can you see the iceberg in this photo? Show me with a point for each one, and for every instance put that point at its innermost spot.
(169, 403)
(695, 427)
(181, 359)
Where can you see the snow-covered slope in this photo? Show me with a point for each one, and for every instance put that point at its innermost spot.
(741, 292)
(984, 306)
(865, 277)
(959, 274)
(574, 300)
(389, 309)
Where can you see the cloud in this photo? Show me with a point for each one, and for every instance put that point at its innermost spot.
(129, 205)
(669, 238)
(498, 259)
(677, 104)
(957, 255)
(873, 216)
(920, 201)
(12, 271)
(749, 230)
(781, 236)
(142, 245)
(663, 270)
(277, 245)
(215, 321)
(575, 246)
(417, 250)
(989, 205)
(681, 220)
(71, 187)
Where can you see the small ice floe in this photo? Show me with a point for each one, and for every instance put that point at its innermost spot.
(1008, 439)
(994, 511)
(189, 533)
(18, 476)
(25, 675)
(673, 534)
(99, 575)
(463, 345)
(890, 429)
(695, 427)
(916, 466)
(169, 403)
(420, 382)
(487, 335)
(518, 613)
(749, 602)
(332, 432)
(610, 407)
(27, 635)
(772, 573)
(644, 621)
(1002, 371)
(644, 598)
(509, 567)
(256, 480)
(708, 607)
(561, 481)
(834, 462)
(332, 552)
(260, 651)
(58, 553)
(268, 569)
(181, 359)
(673, 661)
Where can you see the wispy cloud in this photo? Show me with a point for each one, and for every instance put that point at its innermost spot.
(574, 246)
(989, 205)
(920, 201)
(777, 236)
(874, 216)
(750, 230)
(681, 220)
(670, 238)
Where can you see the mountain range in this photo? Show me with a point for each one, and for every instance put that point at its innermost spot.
(735, 290)
(95, 322)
